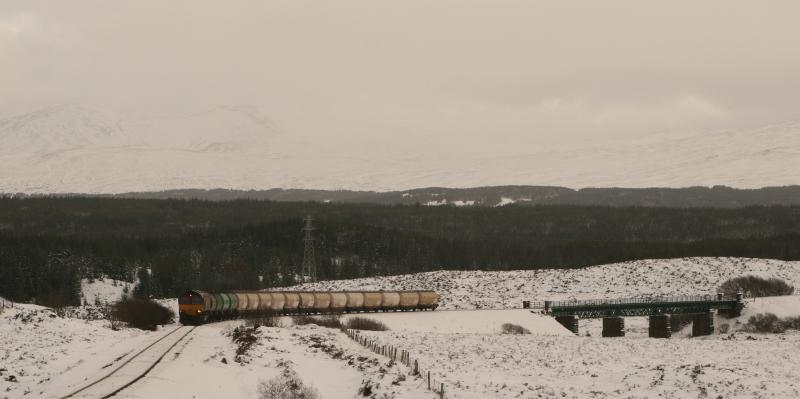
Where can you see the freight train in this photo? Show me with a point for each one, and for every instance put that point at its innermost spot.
(197, 307)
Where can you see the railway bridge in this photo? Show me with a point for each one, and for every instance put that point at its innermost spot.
(660, 312)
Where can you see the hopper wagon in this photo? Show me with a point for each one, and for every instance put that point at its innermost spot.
(197, 306)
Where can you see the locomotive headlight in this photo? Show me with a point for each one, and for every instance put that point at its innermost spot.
(198, 310)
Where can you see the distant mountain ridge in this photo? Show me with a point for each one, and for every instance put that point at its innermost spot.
(690, 197)
(81, 149)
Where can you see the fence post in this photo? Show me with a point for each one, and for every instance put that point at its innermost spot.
(441, 392)
(429, 379)
(416, 367)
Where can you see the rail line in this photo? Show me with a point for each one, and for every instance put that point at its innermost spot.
(133, 369)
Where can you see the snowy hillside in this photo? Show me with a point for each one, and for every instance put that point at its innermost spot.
(104, 292)
(41, 351)
(89, 150)
(481, 364)
(478, 366)
(43, 354)
(483, 290)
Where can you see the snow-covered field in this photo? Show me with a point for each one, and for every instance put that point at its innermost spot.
(642, 278)
(50, 355)
(471, 321)
(42, 353)
(730, 365)
(528, 366)
(325, 359)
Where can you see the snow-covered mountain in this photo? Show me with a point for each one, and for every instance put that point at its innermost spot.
(81, 149)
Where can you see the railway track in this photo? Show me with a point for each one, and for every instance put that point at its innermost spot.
(134, 368)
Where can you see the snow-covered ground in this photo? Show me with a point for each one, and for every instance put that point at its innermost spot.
(50, 355)
(642, 278)
(474, 361)
(104, 291)
(42, 353)
(528, 366)
(484, 364)
(323, 358)
(472, 321)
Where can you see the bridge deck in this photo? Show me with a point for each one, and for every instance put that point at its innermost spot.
(597, 308)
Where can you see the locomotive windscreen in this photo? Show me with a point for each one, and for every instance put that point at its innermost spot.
(189, 299)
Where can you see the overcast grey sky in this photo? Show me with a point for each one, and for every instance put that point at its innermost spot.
(491, 70)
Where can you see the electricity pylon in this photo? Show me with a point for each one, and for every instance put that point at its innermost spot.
(309, 269)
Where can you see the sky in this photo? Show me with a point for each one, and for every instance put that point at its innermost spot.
(488, 75)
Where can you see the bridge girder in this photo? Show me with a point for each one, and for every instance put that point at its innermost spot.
(594, 311)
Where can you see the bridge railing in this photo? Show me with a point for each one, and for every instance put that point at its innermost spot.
(631, 301)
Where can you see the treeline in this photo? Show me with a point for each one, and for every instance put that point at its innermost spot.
(47, 244)
(688, 197)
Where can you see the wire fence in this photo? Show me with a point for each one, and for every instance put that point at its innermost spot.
(401, 356)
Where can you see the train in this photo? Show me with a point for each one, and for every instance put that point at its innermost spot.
(198, 307)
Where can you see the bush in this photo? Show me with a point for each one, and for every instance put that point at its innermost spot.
(322, 321)
(286, 386)
(245, 338)
(266, 321)
(769, 323)
(792, 323)
(756, 286)
(364, 323)
(143, 314)
(508, 328)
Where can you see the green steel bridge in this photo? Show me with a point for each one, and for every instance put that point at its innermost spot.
(632, 307)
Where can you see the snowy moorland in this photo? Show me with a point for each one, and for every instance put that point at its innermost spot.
(641, 278)
(47, 353)
(43, 351)
(104, 291)
(730, 365)
(324, 359)
(530, 366)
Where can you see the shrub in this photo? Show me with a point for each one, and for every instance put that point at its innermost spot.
(141, 313)
(322, 321)
(365, 389)
(792, 323)
(245, 338)
(266, 321)
(765, 323)
(286, 386)
(756, 286)
(508, 328)
(364, 323)
(769, 323)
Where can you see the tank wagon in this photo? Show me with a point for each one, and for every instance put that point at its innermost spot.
(197, 307)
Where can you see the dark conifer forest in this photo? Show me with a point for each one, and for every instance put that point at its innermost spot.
(48, 244)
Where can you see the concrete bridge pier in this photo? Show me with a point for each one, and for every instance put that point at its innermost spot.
(570, 322)
(703, 324)
(613, 327)
(660, 326)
